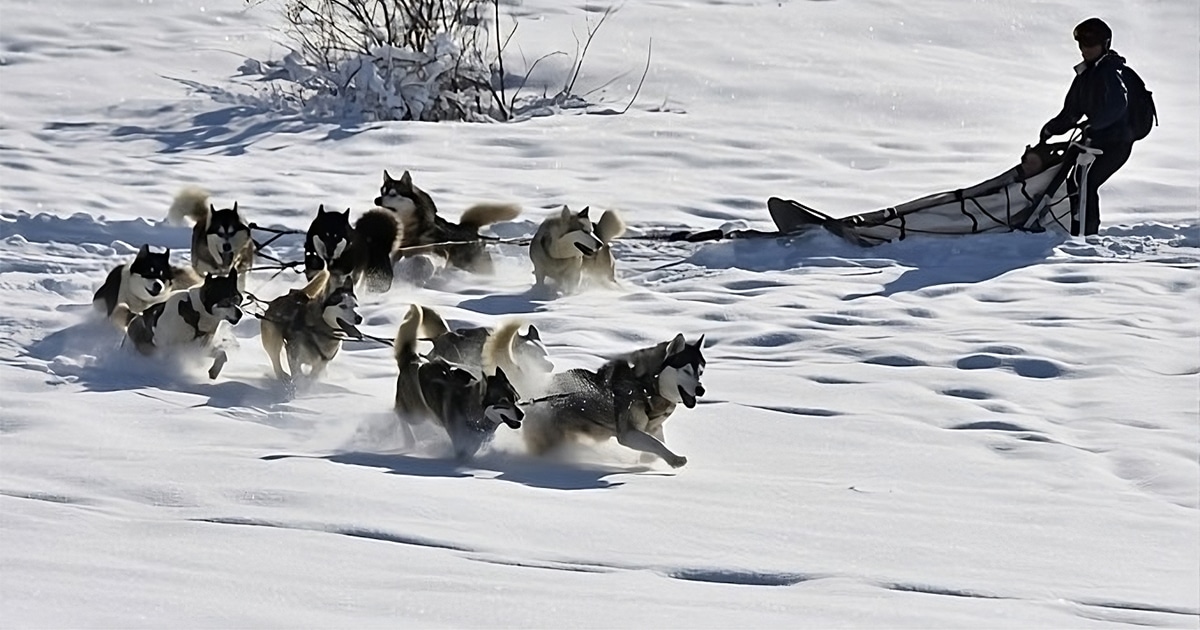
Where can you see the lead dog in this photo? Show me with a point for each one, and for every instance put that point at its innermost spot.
(569, 248)
(423, 227)
(307, 324)
(468, 405)
(629, 397)
(190, 316)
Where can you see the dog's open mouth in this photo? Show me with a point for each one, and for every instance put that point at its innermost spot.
(504, 415)
(349, 329)
(687, 398)
(587, 251)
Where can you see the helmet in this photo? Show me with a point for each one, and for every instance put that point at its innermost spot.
(1093, 32)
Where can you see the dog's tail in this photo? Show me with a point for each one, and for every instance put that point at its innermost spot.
(378, 232)
(610, 226)
(420, 322)
(315, 289)
(498, 347)
(482, 214)
(190, 204)
(185, 277)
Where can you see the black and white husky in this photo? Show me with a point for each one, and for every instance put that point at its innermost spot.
(468, 405)
(309, 324)
(146, 280)
(187, 317)
(221, 239)
(630, 397)
(362, 251)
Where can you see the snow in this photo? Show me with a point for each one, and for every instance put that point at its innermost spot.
(991, 431)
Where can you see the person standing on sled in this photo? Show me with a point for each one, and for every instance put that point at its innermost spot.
(1099, 93)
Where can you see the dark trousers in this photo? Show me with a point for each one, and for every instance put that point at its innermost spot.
(1107, 163)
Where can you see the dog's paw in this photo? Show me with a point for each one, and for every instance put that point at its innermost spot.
(677, 461)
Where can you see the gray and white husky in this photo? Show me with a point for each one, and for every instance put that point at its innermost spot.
(221, 239)
(146, 280)
(569, 248)
(630, 397)
(520, 355)
(308, 324)
(468, 405)
(422, 228)
(187, 317)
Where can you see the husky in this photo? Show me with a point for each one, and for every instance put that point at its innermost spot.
(221, 240)
(422, 226)
(630, 397)
(468, 405)
(306, 324)
(521, 356)
(569, 247)
(185, 317)
(359, 251)
(144, 281)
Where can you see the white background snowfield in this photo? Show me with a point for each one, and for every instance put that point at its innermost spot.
(993, 431)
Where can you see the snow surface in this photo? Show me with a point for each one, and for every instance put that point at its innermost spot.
(993, 431)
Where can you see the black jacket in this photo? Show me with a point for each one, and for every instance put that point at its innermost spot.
(1099, 93)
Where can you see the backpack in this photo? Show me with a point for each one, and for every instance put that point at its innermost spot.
(1142, 114)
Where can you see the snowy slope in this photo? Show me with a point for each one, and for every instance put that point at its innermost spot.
(995, 431)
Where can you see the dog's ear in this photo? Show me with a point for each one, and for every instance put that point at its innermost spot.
(167, 253)
(677, 345)
(406, 181)
(583, 214)
(235, 206)
(347, 213)
(501, 375)
(211, 208)
(533, 335)
(700, 342)
(386, 178)
(566, 213)
(144, 250)
(320, 209)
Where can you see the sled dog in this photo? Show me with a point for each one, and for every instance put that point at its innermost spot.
(146, 280)
(630, 398)
(468, 405)
(521, 356)
(185, 317)
(221, 239)
(569, 248)
(421, 225)
(360, 251)
(308, 325)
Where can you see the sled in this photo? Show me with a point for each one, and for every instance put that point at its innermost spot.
(1033, 196)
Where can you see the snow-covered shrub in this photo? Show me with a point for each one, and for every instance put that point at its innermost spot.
(428, 60)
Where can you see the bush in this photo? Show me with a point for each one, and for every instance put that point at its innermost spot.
(428, 60)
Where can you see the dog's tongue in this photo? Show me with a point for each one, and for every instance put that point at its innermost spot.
(349, 328)
(689, 400)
